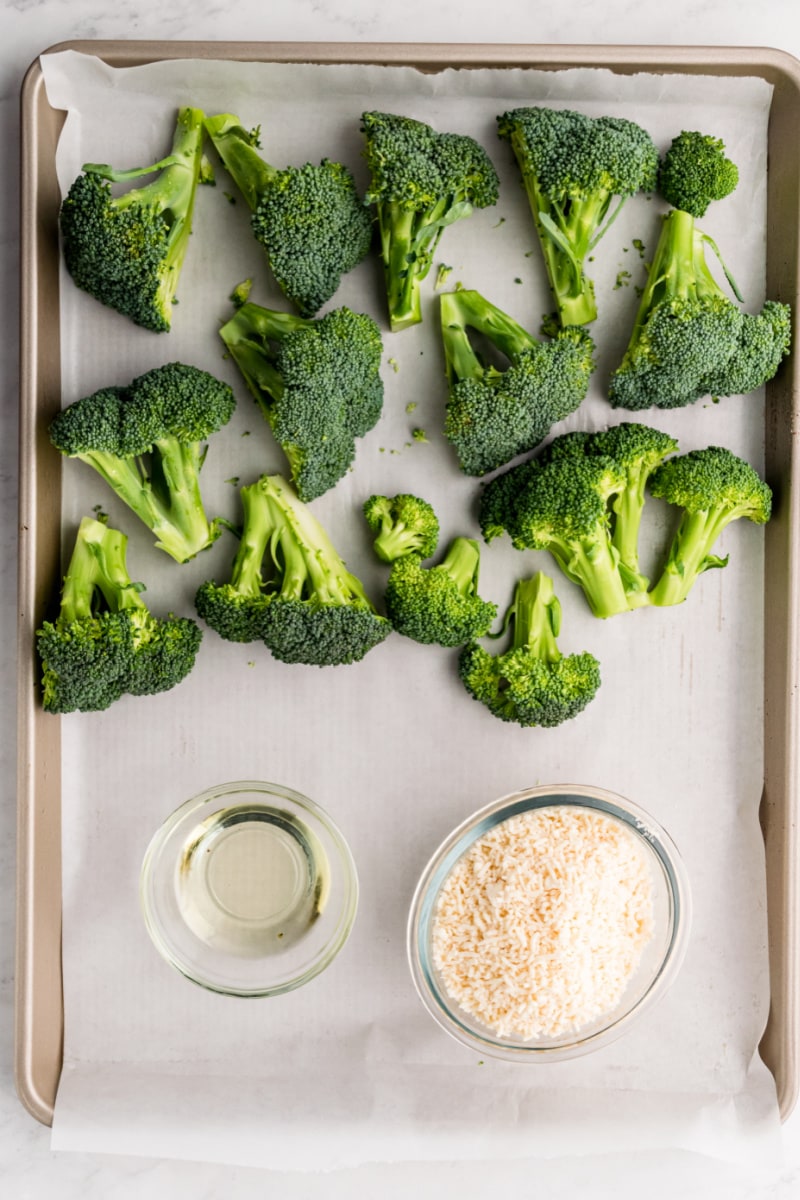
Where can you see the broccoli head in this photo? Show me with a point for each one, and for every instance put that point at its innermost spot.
(713, 487)
(421, 181)
(147, 441)
(402, 524)
(574, 168)
(695, 171)
(310, 219)
(105, 643)
(439, 605)
(128, 250)
(581, 499)
(289, 587)
(688, 339)
(532, 683)
(493, 414)
(317, 382)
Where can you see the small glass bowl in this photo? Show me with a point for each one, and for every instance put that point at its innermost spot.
(661, 957)
(249, 889)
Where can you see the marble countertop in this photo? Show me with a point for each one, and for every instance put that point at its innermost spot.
(28, 1169)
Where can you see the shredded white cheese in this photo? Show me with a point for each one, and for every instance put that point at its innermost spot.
(541, 924)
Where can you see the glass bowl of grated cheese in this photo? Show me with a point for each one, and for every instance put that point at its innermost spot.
(547, 922)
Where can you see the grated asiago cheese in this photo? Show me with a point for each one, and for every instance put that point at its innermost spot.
(541, 924)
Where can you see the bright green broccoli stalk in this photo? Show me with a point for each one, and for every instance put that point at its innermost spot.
(439, 605)
(713, 487)
(310, 219)
(581, 499)
(317, 382)
(532, 683)
(147, 441)
(695, 171)
(128, 250)
(402, 524)
(493, 414)
(574, 169)
(105, 643)
(289, 587)
(421, 182)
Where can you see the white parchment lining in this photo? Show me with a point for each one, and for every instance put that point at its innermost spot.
(351, 1069)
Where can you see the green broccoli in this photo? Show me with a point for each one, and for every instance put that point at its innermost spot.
(310, 219)
(289, 587)
(694, 171)
(573, 169)
(689, 339)
(317, 382)
(532, 683)
(403, 524)
(495, 414)
(582, 500)
(421, 181)
(127, 251)
(147, 441)
(713, 487)
(439, 605)
(105, 643)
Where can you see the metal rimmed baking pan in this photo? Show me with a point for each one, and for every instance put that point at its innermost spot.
(39, 1022)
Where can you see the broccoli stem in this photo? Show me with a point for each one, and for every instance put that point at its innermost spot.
(465, 309)
(181, 529)
(97, 563)
(690, 555)
(462, 563)
(628, 506)
(244, 164)
(594, 566)
(536, 614)
(397, 226)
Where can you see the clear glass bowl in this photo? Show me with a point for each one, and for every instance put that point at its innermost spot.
(249, 889)
(657, 968)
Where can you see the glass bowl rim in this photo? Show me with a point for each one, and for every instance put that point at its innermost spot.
(191, 808)
(456, 844)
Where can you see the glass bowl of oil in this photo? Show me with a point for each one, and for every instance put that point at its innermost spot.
(249, 889)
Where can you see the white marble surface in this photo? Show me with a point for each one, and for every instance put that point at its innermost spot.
(28, 1169)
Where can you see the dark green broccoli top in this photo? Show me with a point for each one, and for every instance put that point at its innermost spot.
(403, 524)
(310, 220)
(289, 587)
(439, 605)
(532, 683)
(573, 169)
(493, 413)
(147, 441)
(128, 250)
(695, 171)
(105, 643)
(317, 382)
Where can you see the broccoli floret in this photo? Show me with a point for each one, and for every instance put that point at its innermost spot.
(310, 219)
(289, 587)
(532, 683)
(147, 441)
(105, 643)
(694, 171)
(127, 251)
(582, 500)
(493, 414)
(403, 524)
(574, 168)
(713, 487)
(317, 382)
(688, 339)
(421, 181)
(439, 604)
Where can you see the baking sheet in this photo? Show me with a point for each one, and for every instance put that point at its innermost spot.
(697, 1064)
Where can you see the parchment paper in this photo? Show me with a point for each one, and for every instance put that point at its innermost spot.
(351, 1069)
